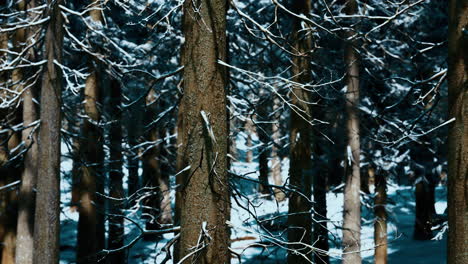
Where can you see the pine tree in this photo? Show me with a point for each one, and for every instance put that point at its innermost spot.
(203, 194)
(47, 215)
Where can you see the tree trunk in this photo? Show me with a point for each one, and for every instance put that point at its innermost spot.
(275, 159)
(155, 174)
(116, 223)
(380, 225)
(458, 133)
(203, 133)
(249, 130)
(262, 117)
(320, 180)
(25, 224)
(91, 170)
(135, 114)
(352, 203)
(422, 225)
(300, 168)
(47, 215)
(90, 224)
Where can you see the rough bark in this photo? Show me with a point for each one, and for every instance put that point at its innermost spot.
(458, 133)
(116, 224)
(380, 225)
(301, 140)
(203, 136)
(352, 203)
(47, 214)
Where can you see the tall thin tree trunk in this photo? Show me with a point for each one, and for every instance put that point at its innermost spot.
(136, 112)
(249, 130)
(116, 223)
(155, 171)
(320, 181)
(90, 229)
(92, 156)
(380, 225)
(152, 166)
(301, 137)
(203, 133)
(458, 133)
(263, 155)
(422, 225)
(25, 224)
(275, 158)
(352, 203)
(47, 214)
(4, 156)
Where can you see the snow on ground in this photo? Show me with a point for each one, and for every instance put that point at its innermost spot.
(246, 233)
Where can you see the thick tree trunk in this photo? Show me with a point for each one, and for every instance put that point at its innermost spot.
(203, 133)
(380, 225)
(116, 223)
(47, 214)
(352, 203)
(301, 137)
(458, 133)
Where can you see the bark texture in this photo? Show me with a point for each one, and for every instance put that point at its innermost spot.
(47, 215)
(352, 203)
(458, 133)
(203, 194)
(301, 140)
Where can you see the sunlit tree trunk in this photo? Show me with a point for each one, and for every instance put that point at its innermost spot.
(25, 224)
(203, 136)
(301, 137)
(47, 214)
(352, 203)
(458, 133)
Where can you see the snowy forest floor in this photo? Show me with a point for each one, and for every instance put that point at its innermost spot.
(247, 235)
